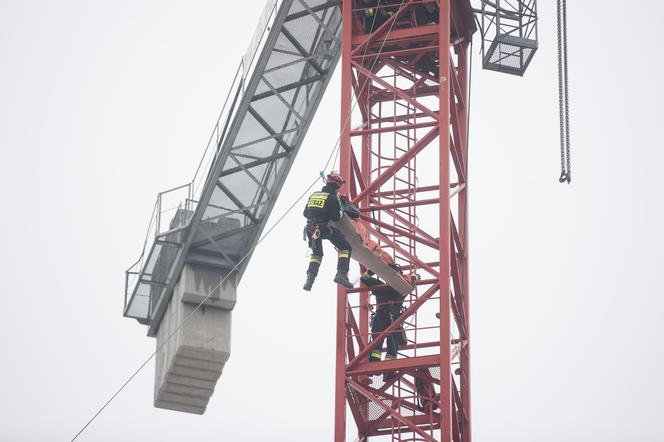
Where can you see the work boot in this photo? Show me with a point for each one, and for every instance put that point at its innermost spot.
(389, 375)
(342, 279)
(309, 282)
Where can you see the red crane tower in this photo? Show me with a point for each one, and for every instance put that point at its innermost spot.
(406, 153)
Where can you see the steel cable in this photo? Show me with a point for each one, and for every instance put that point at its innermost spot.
(366, 80)
(566, 76)
(244, 257)
(563, 95)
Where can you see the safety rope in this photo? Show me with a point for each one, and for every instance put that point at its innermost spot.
(200, 304)
(563, 95)
(366, 80)
(251, 250)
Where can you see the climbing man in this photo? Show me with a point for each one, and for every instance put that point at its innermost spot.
(375, 15)
(389, 305)
(322, 208)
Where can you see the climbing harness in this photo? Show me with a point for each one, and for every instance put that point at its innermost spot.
(312, 231)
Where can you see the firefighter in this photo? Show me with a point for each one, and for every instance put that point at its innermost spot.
(322, 208)
(374, 15)
(389, 306)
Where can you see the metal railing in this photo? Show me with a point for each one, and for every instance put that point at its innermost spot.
(181, 199)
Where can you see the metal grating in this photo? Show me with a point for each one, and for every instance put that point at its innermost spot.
(509, 35)
(267, 113)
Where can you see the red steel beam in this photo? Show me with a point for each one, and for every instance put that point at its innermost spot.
(367, 368)
(402, 232)
(444, 223)
(360, 132)
(411, 84)
(406, 421)
(344, 153)
(389, 173)
(400, 205)
(405, 315)
(387, 425)
(463, 75)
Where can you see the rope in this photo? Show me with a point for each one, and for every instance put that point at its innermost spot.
(563, 95)
(249, 252)
(366, 80)
(188, 317)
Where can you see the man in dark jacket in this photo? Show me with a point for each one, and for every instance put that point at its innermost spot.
(375, 15)
(388, 308)
(389, 304)
(322, 208)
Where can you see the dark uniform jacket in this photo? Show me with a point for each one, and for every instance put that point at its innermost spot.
(323, 207)
(389, 307)
(382, 295)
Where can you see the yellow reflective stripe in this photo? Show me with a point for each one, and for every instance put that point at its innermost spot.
(344, 255)
(315, 260)
(316, 204)
(317, 200)
(375, 355)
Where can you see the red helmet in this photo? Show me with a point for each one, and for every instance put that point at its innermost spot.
(335, 178)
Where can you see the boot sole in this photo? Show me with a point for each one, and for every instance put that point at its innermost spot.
(348, 285)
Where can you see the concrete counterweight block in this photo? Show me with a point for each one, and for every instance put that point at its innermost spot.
(188, 365)
(197, 281)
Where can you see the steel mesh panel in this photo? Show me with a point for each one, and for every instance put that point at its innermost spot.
(269, 108)
(372, 411)
(509, 35)
(508, 57)
(287, 91)
(358, 399)
(375, 411)
(435, 372)
(377, 381)
(140, 305)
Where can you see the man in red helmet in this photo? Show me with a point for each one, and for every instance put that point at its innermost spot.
(322, 208)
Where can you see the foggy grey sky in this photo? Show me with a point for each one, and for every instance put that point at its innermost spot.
(104, 104)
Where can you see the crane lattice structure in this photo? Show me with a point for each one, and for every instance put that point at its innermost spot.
(414, 113)
(405, 105)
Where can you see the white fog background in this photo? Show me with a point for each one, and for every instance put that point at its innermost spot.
(105, 103)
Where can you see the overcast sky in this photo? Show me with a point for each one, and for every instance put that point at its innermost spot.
(103, 104)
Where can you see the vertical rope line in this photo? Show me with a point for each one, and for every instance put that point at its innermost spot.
(186, 320)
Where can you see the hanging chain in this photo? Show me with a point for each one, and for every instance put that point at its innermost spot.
(563, 95)
(560, 93)
(566, 76)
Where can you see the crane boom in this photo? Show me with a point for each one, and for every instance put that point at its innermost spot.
(272, 101)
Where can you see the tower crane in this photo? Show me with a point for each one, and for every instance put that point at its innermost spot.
(403, 148)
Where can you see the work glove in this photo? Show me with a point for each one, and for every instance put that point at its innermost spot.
(351, 211)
